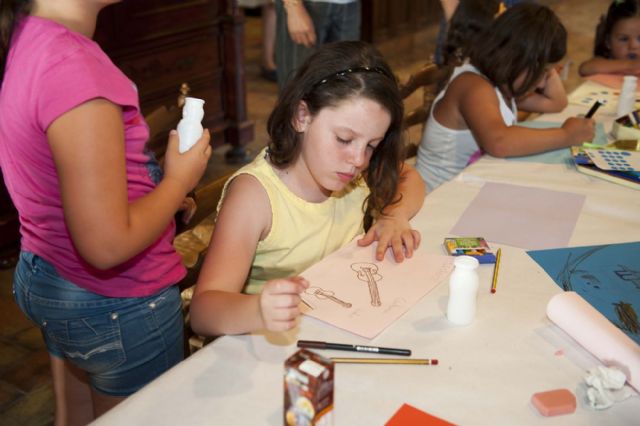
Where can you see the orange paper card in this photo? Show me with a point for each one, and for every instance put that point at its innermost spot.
(409, 415)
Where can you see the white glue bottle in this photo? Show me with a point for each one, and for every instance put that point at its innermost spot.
(190, 127)
(627, 99)
(463, 290)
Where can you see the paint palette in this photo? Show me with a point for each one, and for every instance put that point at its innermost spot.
(620, 160)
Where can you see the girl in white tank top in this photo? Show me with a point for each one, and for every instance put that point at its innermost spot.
(477, 109)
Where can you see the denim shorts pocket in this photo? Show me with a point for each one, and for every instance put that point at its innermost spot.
(21, 284)
(93, 344)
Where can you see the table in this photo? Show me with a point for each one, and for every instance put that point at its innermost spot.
(488, 370)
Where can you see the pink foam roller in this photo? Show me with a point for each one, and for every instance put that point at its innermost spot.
(596, 334)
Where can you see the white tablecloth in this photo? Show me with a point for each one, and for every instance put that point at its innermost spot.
(488, 370)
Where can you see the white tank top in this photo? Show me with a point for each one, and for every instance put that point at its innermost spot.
(444, 152)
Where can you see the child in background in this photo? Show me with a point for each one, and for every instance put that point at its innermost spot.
(333, 168)
(617, 43)
(97, 270)
(477, 110)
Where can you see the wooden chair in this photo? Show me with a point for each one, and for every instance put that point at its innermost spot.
(429, 78)
(192, 239)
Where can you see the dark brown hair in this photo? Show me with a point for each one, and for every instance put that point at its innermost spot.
(618, 10)
(523, 40)
(469, 19)
(10, 12)
(333, 74)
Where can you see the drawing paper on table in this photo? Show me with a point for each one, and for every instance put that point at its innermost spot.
(353, 291)
(606, 276)
(521, 216)
(588, 92)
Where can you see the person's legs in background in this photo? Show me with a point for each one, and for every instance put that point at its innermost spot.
(268, 69)
(289, 55)
(332, 22)
(344, 22)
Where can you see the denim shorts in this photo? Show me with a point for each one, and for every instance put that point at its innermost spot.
(122, 343)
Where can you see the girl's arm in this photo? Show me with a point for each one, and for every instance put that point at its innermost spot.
(479, 108)
(548, 97)
(392, 229)
(300, 24)
(600, 65)
(88, 148)
(218, 306)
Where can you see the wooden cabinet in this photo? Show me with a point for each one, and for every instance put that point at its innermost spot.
(160, 44)
(9, 229)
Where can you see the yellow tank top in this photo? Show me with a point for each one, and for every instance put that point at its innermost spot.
(301, 232)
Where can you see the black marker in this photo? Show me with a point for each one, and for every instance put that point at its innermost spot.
(313, 344)
(593, 109)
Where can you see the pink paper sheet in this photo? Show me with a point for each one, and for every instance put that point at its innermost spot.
(520, 216)
(340, 293)
(596, 334)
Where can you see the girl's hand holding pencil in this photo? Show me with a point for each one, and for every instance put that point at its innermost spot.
(279, 303)
(578, 130)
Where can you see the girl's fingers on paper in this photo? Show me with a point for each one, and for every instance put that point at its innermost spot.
(417, 238)
(383, 245)
(411, 242)
(397, 247)
(408, 244)
(367, 239)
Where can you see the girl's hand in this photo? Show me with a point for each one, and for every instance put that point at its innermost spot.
(279, 302)
(394, 232)
(187, 168)
(579, 130)
(300, 25)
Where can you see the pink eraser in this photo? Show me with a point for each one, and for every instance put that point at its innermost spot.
(554, 402)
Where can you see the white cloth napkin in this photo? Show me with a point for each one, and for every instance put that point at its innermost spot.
(605, 387)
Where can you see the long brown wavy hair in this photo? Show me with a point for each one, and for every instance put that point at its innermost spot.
(333, 74)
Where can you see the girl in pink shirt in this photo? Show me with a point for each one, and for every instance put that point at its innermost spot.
(97, 269)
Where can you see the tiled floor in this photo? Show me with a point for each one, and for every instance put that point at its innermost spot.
(26, 396)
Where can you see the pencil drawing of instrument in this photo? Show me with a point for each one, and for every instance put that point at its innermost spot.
(326, 294)
(368, 272)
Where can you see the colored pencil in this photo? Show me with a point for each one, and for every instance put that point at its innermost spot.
(494, 283)
(414, 361)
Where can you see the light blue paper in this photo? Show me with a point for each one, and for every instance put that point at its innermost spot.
(607, 276)
(558, 156)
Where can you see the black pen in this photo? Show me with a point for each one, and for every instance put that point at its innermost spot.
(597, 104)
(313, 344)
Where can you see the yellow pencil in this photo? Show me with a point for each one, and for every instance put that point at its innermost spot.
(414, 361)
(494, 283)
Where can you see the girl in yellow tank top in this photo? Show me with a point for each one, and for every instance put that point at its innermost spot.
(333, 169)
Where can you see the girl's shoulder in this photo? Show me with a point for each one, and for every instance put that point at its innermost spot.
(469, 82)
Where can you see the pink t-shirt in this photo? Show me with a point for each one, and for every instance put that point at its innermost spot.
(50, 70)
